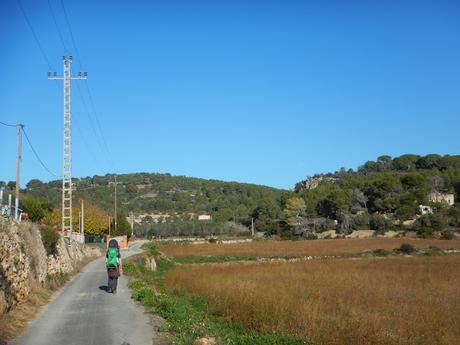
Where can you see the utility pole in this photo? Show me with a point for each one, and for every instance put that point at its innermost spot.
(115, 183)
(66, 217)
(18, 160)
(115, 204)
(252, 226)
(9, 205)
(110, 225)
(131, 218)
(82, 227)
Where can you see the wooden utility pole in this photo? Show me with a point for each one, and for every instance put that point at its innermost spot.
(252, 226)
(18, 160)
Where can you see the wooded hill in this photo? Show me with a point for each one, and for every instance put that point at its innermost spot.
(178, 196)
(380, 195)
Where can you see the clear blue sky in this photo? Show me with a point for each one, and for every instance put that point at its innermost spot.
(265, 92)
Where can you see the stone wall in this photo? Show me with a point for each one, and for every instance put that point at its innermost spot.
(24, 263)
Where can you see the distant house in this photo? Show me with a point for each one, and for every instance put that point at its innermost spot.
(204, 217)
(441, 197)
(423, 209)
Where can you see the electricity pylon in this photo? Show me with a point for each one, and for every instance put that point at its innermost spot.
(66, 217)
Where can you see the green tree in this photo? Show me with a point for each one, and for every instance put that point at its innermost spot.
(123, 226)
(383, 192)
(34, 184)
(379, 223)
(432, 161)
(405, 162)
(385, 162)
(266, 216)
(335, 203)
(34, 208)
(429, 223)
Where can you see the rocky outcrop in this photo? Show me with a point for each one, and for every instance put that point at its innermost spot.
(24, 263)
(151, 264)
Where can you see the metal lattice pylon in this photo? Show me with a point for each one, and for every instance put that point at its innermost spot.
(66, 218)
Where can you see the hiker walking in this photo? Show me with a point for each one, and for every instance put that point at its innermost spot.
(114, 265)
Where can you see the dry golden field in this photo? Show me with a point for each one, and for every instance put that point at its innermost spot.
(395, 300)
(300, 248)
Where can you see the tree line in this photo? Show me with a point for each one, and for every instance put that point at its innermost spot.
(380, 195)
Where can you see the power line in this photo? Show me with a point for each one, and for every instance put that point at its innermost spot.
(97, 121)
(65, 48)
(35, 35)
(61, 37)
(7, 124)
(36, 154)
(96, 116)
(45, 57)
(71, 34)
(90, 118)
(80, 132)
(57, 27)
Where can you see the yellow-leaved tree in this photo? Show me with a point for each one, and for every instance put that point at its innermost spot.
(294, 211)
(95, 219)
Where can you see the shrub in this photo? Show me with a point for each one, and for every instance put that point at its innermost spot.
(432, 251)
(361, 221)
(379, 223)
(34, 208)
(406, 248)
(311, 236)
(381, 252)
(447, 235)
(50, 239)
(454, 216)
(429, 223)
(151, 249)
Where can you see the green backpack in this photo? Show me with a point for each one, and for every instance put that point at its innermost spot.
(112, 257)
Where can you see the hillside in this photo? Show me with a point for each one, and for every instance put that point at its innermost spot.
(176, 196)
(381, 195)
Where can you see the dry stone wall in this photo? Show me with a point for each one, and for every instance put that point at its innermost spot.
(24, 263)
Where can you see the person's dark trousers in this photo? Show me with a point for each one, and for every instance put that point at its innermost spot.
(113, 279)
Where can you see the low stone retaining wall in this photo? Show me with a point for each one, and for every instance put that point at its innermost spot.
(24, 263)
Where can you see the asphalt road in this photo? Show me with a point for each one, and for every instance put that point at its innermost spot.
(83, 313)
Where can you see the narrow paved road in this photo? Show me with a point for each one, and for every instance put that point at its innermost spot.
(83, 313)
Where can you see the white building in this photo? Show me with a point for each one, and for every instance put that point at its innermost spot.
(442, 197)
(204, 217)
(423, 209)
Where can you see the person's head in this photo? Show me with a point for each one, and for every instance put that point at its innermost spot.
(113, 243)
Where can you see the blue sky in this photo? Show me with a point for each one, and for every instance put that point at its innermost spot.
(264, 92)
